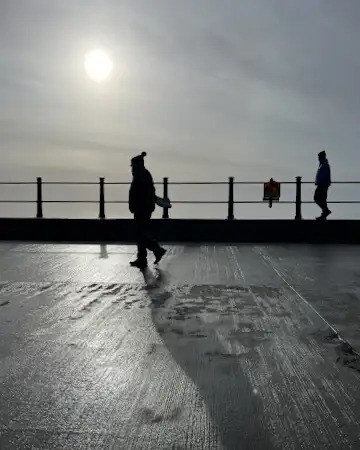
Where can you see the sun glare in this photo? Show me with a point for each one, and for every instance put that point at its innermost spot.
(98, 65)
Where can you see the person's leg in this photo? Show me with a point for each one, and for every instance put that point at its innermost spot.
(151, 243)
(317, 196)
(326, 210)
(140, 233)
(320, 198)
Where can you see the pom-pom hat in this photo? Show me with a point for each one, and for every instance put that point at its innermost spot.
(138, 160)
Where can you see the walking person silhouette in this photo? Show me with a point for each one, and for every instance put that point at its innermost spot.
(322, 182)
(142, 201)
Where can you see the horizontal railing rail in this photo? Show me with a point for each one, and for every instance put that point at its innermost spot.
(230, 201)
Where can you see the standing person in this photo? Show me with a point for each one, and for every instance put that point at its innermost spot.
(322, 182)
(142, 204)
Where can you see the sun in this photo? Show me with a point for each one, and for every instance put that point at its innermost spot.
(98, 65)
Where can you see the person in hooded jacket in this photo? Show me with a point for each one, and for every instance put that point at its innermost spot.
(322, 182)
(142, 198)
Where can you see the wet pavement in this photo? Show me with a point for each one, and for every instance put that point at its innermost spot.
(223, 347)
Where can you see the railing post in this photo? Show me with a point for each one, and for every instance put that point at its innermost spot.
(39, 211)
(165, 195)
(298, 199)
(102, 199)
(231, 199)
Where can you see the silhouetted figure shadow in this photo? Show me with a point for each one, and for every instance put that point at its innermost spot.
(221, 376)
(103, 251)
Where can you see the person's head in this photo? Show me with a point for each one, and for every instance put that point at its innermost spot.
(137, 163)
(322, 156)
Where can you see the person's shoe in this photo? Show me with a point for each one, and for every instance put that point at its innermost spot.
(138, 263)
(159, 255)
(324, 215)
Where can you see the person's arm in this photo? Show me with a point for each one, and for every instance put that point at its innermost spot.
(324, 175)
(329, 174)
(149, 193)
(134, 194)
(317, 178)
(131, 198)
(152, 187)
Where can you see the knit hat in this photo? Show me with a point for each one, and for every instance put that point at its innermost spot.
(322, 154)
(138, 160)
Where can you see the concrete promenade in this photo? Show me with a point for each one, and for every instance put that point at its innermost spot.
(222, 347)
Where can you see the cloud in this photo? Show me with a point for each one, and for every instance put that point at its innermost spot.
(255, 85)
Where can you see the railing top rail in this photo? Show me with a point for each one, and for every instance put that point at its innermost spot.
(79, 183)
(18, 182)
(187, 202)
(193, 183)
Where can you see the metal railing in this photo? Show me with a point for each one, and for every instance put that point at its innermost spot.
(230, 201)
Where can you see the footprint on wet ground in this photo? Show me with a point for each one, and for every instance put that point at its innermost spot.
(91, 304)
(151, 416)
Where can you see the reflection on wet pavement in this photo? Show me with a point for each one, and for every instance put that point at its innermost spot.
(221, 347)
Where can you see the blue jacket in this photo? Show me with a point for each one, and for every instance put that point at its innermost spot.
(323, 176)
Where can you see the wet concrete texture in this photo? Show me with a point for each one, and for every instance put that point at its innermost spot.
(222, 347)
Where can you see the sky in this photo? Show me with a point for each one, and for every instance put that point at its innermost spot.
(209, 89)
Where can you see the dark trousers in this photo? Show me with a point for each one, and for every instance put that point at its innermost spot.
(320, 197)
(144, 240)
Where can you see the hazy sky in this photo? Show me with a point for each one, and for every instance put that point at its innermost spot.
(210, 88)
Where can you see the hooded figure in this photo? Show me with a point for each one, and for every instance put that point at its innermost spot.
(142, 198)
(322, 182)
